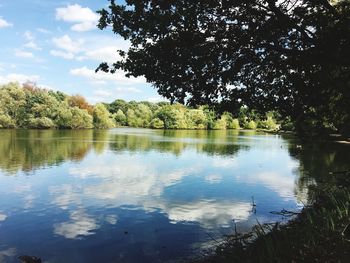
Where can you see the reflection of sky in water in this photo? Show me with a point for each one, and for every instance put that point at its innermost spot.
(127, 202)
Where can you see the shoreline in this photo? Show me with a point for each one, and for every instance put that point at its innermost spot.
(320, 232)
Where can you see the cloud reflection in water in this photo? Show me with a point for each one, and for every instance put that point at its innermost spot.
(80, 224)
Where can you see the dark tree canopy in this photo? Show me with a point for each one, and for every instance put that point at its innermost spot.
(293, 55)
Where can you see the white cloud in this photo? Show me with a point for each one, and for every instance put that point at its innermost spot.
(118, 77)
(84, 18)
(23, 54)
(156, 99)
(102, 93)
(82, 27)
(62, 54)
(69, 45)
(128, 90)
(43, 30)
(80, 58)
(28, 36)
(4, 23)
(32, 45)
(105, 54)
(21, 78)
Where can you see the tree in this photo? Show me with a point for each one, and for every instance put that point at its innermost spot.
(268, 124)
(266, 54)
(231, 123)
(173, 116)
(12, 105)
(102, 118)
(120, 118)
(80, 102)
(220, 124)
(81, 119)
(157, 123)
(234, 124)
(196, 119)
(143, 115)
(6, 121)
(131, 118)
(41, 123)
(117, 105)
(251, 125)
(64, 116)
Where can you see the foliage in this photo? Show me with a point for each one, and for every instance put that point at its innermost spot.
(220, 124)
(41, 123)
(6, 121)
(80, 102)
(102, 117)
(157, 123)
(286, 55)
(268, 124)
(81, 119)
(234, 124)
(196, 119)
(28, 106)
(120, 118)
(173, 116)
(250, 125)
(33, 107)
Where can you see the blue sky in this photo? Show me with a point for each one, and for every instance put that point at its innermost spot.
(57, 45)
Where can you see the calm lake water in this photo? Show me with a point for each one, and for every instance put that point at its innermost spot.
(138, 195)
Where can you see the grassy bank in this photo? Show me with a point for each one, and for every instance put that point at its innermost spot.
(319, 233)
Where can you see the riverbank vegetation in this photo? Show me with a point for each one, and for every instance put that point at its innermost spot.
(28, 106)
(163, 115)
(319, 233)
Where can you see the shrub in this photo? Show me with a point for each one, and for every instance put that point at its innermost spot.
(6, 121)
(251, 125)
(220, 124)
(157, 123)
(268, 124)
(102, 118)
(41, 123)
(81, 119)
(120, 117)
(234, 124)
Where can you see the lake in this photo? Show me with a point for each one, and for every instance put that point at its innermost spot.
(139, 195)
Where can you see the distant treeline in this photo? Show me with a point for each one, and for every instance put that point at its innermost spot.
(28, 106)
(163, 115)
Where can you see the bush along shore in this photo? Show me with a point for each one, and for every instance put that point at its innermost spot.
(28, 106)
(319, 233)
